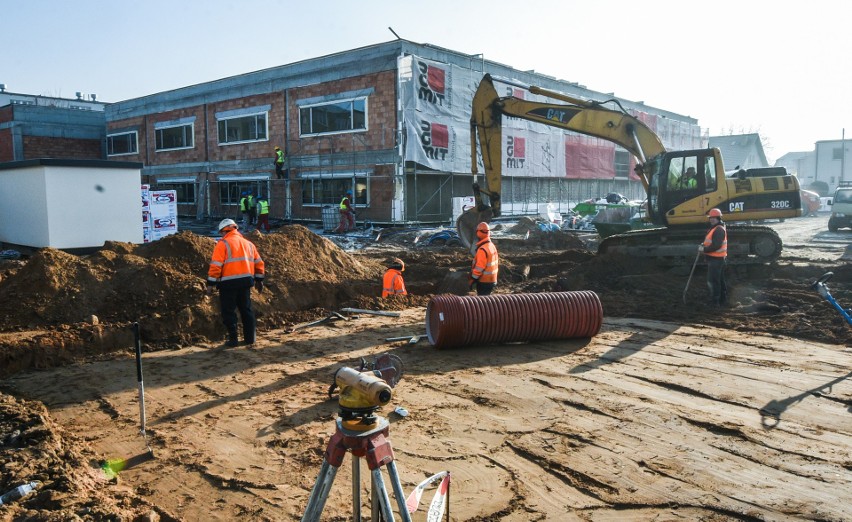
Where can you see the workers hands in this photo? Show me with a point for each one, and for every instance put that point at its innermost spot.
(210, 288)
(472, 283)
(258, 285)
(701, 248)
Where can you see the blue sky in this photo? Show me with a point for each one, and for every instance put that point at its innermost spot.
(784, 71)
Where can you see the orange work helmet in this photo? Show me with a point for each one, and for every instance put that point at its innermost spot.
(715, 212)
(482, 229)
(396, 263)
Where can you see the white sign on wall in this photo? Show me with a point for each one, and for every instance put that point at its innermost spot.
(159, 213)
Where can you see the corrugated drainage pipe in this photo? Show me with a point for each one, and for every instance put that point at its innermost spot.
(453, 321)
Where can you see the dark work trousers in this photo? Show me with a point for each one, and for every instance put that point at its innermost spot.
(484, 288)
(231, 300)
(716, 280)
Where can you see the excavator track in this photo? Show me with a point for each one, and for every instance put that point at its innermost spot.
(747, 244)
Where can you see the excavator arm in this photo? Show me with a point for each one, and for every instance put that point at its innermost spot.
(582, 116)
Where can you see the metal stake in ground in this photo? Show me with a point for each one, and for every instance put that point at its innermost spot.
(690, 276)
(138, 342)
(112, 467)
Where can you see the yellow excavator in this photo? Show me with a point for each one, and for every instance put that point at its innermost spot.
(681, 186)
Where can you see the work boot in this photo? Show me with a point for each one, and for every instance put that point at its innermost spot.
(249, 333)
(233, 339)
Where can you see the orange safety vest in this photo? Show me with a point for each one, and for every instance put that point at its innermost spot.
(392, 283)
(234, 257)
(708, 240)
(486, 262)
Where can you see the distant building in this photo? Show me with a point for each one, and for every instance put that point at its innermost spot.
(34, 127)
(389, 121)
(832, 162)
(740, 150)
(801, 164)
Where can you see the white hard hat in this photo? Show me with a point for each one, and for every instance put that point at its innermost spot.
(227, 223)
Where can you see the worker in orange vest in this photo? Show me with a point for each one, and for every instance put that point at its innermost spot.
(483, 273)
(392, 282)
(715, 248)
(234, 268)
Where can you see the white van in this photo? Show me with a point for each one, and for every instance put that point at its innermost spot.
(841, 207)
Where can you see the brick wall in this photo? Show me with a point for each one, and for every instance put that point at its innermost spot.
(68, 148)
(381, 116)
(7, 152)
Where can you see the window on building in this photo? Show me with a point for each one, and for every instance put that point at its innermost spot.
(243, 128)
(338, 116)
(622, 163)
(123, 143)
(185, 190)
(329, 191)
(230, 192)
(176, 137)
(22, 102)
(837, 153)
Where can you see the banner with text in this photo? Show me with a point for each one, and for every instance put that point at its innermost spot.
(436, 103)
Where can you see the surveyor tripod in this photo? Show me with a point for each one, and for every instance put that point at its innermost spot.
(371, 444)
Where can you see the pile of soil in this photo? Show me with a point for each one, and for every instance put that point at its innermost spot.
(83, 306)
(71, 483)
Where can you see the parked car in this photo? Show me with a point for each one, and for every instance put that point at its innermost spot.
(810, 202)
(841, 207)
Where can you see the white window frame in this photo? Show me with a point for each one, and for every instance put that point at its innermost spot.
(337, 102)
(165, 127)
(242, 116)
(135, 139)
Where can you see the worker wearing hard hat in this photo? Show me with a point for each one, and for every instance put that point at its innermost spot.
(392, 282)
(279, 163)
(234, 268)
(483, 273)
(715, 248)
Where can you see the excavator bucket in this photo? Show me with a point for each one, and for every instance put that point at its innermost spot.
(467, 222)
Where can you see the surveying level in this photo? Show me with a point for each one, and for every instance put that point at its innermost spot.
(364, 434)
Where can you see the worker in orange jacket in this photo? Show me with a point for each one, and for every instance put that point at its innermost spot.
(392, 282)
(715, 248)
(234, 268)
(483, 273)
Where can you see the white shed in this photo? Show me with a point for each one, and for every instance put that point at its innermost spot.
(68, 204)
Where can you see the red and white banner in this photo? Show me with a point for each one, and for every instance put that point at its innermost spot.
(436, 103)
(439, 502)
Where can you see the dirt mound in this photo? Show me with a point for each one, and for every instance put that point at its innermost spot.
(768, 298)
(161, 285)
(71, 481)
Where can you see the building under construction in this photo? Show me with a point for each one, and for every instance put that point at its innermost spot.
(391, 122)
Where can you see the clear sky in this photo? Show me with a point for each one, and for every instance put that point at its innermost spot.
(780, 68)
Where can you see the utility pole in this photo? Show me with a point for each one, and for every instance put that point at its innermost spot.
(842, 154)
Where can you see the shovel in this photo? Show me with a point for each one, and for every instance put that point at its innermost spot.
(690, 275)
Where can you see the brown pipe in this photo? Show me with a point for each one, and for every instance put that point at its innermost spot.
(453, 321)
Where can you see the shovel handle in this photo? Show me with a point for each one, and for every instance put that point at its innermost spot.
(694, 263)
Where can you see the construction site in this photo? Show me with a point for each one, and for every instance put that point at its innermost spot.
(674, 410)
(611, 375)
